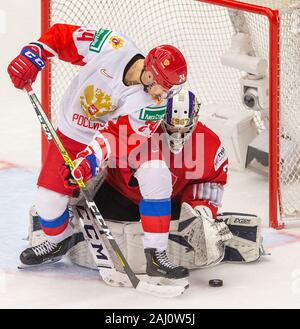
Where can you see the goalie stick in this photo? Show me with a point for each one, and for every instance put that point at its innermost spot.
(144, 287)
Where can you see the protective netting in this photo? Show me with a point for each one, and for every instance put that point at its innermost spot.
(203, 32)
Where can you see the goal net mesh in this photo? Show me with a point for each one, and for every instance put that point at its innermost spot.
(203, 32)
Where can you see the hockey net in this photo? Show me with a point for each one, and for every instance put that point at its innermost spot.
(203, 30)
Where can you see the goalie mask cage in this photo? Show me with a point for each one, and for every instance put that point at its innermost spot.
(203, 31)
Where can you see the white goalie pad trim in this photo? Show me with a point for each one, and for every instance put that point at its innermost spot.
(246, 244)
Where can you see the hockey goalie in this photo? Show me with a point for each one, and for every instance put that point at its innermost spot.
(177, 176)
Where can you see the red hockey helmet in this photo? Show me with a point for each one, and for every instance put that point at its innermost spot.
(168, 66)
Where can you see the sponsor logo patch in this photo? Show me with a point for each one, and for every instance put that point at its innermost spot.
(152, 114)
(220, 157)
(99, 39)
(104, 72)
(242, 221)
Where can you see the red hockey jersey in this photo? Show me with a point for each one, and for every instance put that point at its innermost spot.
(199, 171)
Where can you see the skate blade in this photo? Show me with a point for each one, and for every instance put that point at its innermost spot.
(22, 266)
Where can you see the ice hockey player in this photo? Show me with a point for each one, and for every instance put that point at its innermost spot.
(117, 86)
(196, 237)
(183, 163)
(181, 168)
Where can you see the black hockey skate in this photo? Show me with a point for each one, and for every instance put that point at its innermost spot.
(158, 264)
(45, 252)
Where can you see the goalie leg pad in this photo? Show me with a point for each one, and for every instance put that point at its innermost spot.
(199, 241)
(246, 243)
(187, 244)
(129, 238)
(193, 243)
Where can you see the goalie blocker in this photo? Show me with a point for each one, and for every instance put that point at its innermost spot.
(194, 241)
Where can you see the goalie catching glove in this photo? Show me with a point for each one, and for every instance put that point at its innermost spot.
(220, 227)
(204, 237)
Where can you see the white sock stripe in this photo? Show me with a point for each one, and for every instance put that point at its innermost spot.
(158, 241)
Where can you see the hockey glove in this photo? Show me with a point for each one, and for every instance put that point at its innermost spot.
(206, 213)
(86, 165)
(69, 182)
(25, 67)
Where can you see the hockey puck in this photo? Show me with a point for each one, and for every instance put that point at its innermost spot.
(216, 283)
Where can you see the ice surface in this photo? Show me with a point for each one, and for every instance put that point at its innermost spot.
(272, 282)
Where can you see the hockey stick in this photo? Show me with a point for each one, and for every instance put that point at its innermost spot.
(145, 287)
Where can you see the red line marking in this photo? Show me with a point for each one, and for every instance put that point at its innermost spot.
(296, 238)
(293, 235)
(7, 165)
(10, 165)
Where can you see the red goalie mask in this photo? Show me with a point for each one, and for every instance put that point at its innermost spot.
(168, 66)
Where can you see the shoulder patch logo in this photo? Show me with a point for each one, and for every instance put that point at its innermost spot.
(116, 42)
(220, 158)
(152, 113)
(99, 39)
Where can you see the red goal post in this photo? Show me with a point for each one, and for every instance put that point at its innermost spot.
(274, 32)
(180, 16)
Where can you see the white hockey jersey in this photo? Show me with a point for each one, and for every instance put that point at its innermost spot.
(97, 98)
